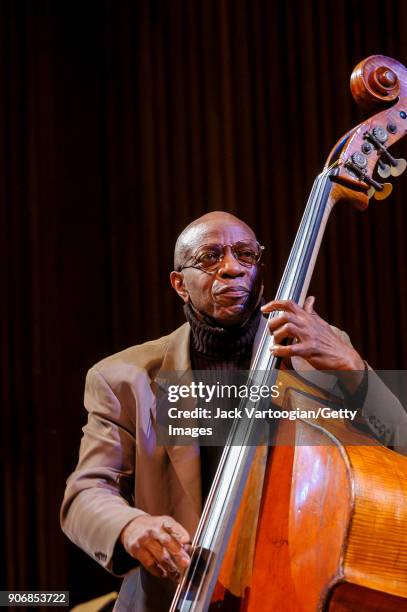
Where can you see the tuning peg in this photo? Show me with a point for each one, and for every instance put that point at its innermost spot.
(378, 136)
(381, 194)
(384, 170)
(399, 168)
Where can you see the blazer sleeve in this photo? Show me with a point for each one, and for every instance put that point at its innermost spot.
(380, 410)
(384, 414)
(99, 493)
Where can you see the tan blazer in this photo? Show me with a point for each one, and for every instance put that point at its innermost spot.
(122, 472)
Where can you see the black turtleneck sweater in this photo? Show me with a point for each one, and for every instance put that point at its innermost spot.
(222, 349)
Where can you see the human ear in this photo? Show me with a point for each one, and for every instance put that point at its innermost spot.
(177, 281)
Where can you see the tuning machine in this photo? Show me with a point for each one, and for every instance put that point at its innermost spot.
(399, 167)
(358, 164)
(380, 191)
(384, 170)
(380, 194)
(395, 167)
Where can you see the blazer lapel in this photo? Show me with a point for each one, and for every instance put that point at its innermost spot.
(184, 458)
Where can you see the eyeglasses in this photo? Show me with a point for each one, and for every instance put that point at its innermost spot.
(208, 257)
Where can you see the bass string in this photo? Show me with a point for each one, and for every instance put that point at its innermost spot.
(288, 287)
(285, 289)
(308, 247)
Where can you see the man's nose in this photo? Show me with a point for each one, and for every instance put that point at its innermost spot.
(229, 265)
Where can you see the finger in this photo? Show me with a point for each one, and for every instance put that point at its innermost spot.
(309, 304)
(171, 542)
(290, 350)
(176, 544)
(189, 549)
(160, 553)
(178, 555)
(279, 321)
(150, 563)
(163, 558)
(176, 531)
(287, 305)
(289, 330)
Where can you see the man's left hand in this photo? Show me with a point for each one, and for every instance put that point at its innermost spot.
(314, 339)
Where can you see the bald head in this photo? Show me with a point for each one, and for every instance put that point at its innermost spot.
(194, 234)
(230, 292)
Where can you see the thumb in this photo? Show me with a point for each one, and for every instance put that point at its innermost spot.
(309, 304)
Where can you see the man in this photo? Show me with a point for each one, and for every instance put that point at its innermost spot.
(132, 503)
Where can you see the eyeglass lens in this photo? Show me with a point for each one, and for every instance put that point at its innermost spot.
(209, 255)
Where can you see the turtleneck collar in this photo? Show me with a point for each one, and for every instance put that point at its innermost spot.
(221, 343)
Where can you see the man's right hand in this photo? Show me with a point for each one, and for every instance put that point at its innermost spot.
(159, 543)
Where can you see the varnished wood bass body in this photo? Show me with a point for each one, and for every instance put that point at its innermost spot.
(332, 529)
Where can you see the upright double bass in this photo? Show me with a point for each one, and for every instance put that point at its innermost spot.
(319, 524)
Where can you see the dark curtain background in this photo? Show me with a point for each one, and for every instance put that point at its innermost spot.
(120, 122)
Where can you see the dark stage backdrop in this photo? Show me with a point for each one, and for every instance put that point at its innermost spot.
(120, 122)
